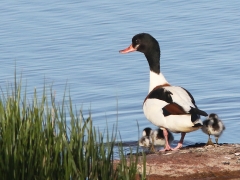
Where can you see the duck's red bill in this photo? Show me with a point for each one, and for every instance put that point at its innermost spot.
(128, 49)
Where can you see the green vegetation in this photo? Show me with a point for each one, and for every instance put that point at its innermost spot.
(42, 140)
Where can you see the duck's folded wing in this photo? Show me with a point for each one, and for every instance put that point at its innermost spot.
(173, 109)
(179, 100)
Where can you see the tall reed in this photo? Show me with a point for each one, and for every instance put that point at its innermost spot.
(40, 139)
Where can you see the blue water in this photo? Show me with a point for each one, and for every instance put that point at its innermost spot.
(75, 45)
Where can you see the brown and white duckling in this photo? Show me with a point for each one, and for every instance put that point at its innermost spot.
(213, 126)
(151, 138)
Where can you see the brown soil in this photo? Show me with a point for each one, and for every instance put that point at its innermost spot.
(194, 162)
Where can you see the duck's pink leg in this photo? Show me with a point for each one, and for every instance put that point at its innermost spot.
(167, 146)
(180, 143)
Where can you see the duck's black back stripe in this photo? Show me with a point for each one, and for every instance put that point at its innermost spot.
(160, 93)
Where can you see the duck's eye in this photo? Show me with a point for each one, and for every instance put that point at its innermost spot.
(137, 41)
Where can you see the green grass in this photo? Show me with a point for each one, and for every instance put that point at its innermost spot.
(42, 140)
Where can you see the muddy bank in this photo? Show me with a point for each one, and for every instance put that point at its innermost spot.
(194, 162)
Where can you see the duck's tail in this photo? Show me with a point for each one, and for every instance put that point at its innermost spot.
(195, 116)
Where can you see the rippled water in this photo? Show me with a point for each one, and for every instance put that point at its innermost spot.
(77, 43)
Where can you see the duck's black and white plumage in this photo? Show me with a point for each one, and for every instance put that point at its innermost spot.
(151, 138)
(213, 126)
(166, 106)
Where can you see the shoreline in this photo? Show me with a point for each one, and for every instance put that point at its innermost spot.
(194, 162)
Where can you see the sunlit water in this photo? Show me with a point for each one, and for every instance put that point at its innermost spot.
(75, 45)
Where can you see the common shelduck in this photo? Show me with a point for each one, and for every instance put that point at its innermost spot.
(151, 138)
(166, 106)
(213, 126)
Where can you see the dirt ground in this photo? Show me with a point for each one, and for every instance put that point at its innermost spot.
(194, 162)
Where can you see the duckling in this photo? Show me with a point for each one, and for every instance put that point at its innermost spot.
(146, 139)
(151, 138)
(213, 126)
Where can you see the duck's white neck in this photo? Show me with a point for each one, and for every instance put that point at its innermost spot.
(156, 80)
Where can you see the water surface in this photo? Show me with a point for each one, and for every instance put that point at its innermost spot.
(77, 43)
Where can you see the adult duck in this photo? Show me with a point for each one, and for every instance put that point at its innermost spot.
(166, 106)
(213, 126)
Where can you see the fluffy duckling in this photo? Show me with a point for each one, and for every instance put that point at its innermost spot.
(145, 139)
(213, 126)
(151, 138)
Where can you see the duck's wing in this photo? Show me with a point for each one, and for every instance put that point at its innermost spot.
(179, 100)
